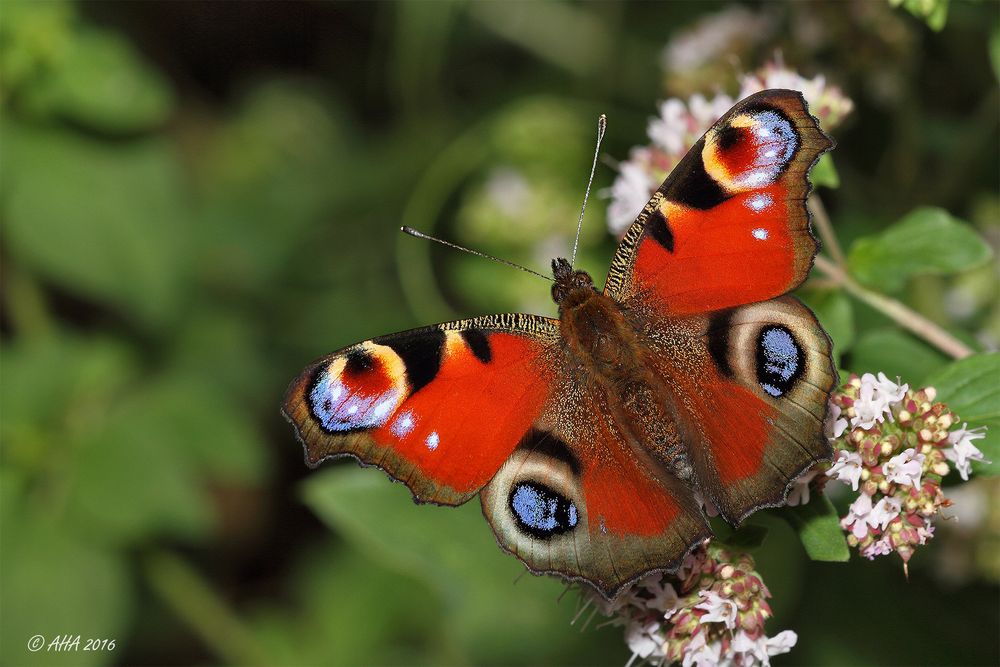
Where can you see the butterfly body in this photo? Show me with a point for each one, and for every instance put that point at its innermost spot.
(593, 439)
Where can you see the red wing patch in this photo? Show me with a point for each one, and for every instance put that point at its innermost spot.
(459, 428)
(740, 251)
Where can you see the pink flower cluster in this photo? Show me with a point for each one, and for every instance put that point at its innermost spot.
(711, 612)
(894, 445)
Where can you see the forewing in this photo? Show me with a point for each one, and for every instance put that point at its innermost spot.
(438, 408)
(729, 226)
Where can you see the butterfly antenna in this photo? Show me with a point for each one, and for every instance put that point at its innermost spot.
(602, 126)
(420, 235)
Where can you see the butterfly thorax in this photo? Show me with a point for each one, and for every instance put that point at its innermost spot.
(596, 335)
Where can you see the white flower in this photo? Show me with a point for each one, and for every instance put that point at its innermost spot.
(925, 532)
(664, 598)
(835, 425)
(629, 193)
(879, 547)
(781, 642)
(719, 609)
(701, 653)
(847, 468)
(889, 390)
(668, 130)
(642, 638)
(860, 516)
(876, 398)
(706, 112)
(962, 452)
(799, 493)
(759, 651)
(904, 468)
(885, 511)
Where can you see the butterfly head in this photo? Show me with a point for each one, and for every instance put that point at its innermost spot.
(571, 286)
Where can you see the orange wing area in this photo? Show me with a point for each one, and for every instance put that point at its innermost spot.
(729, 226)
(439, 408)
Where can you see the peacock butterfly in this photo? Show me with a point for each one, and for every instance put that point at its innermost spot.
(591, 438)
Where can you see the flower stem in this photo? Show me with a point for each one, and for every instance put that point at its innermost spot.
(821, 220)
(901, 314)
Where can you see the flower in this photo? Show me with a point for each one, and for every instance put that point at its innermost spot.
(846, 467)
(719, 610)
(629, 193)
(710, 612)
(835, 425)
(904, 468)
(894, 453)
(875, 396)
(799, 493)
(859, 517)
(640, 639)
(962, 452)
(885, 511)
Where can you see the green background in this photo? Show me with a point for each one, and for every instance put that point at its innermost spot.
(199, 198)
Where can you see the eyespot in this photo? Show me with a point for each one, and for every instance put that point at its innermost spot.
(541, 512)
(780, 360)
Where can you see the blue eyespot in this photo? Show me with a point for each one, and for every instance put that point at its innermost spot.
(780, 360)
(338, 409)
(540, 511)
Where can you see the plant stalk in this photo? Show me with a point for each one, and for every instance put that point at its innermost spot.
(901, 314)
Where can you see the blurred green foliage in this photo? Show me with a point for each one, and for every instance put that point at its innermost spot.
(196, 199)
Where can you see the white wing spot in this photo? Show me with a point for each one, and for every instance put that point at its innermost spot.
(403, 425)
(759, 202)
(432, 441)
(760, 233)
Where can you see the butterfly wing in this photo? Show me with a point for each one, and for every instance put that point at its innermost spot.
(749, 387)
(580, 498)
(438, 408)
(730, 227)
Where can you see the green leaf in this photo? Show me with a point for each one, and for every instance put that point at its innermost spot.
(824, 173)
(926, 241)
(102, 83)
(455, 553)
(818, 528)
(895, 353)
(971, 389)
(106, 221)
(933, 12)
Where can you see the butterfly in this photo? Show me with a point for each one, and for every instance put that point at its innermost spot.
(594, 439)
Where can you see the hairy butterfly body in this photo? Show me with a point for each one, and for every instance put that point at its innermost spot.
(591, 438)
